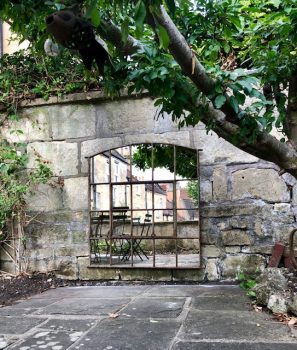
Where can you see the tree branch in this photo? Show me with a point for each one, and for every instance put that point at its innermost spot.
(291, 115)
(185, 57)
(112, 33)
(265, 147)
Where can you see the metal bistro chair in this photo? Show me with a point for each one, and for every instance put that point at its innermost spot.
(136, 242)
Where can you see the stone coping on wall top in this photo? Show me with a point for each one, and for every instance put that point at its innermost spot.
(80, 97)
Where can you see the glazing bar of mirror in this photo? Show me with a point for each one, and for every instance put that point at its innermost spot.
(174, 194)
(141, 182)
(153, 203)
(131, 206)
(110, 209)
(198, 204)
(90, 207)
(154, 252)
(175, 204)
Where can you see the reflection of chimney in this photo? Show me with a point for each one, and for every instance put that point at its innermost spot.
(169, 189)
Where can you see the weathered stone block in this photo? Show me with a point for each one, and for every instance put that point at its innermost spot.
(63, 156)
(206, 191)
(212, 270)
(181, 138)
(145, 275)
(236, 237)
(44, 236)
(232, 209)
(73, 121)
(219, 150)
(73, 250)
(220, 183)
(289, 179)
(165, 124)
(34, 123)
(188, 275)
(277, 303)
(211, 251)
(293, 305)
(80, 237)
(64, 217)
(92, 147)
(131, 116)
(75, 193)
(263, 184)
(242, 222)
(233, 250)
(45, 198)
(246, 263)
(94, 273)
(66, 267)
(282, 207)
(258, 249)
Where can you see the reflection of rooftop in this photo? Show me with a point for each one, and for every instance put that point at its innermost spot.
(157, 189)
(116, 155)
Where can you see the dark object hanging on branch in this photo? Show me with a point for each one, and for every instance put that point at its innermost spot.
(76, 33)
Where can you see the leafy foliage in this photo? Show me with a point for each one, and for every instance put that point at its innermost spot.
(26, 76)
(192, 190)
(16, 182)
(247, 283)
(162, 156)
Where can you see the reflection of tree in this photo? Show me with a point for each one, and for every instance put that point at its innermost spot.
(192, 191)
(163, 157)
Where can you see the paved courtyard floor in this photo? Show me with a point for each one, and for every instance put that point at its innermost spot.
(155, 317)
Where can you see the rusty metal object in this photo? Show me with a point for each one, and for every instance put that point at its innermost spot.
(291, 248)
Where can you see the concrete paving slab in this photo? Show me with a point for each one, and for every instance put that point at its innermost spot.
(186, 317)
(233, 325)
(33, 303)
(194, 291)
(48, 340)
(218, 303)
(80, 306)
(233, 346)
(93, 292)
(17, 325)
(154, 308)
(6, 340)
(9, 311)
(68, 325)
(121, 334)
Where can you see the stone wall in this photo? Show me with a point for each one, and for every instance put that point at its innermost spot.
(246, 206)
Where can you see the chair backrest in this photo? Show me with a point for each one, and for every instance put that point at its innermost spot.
(147, 222)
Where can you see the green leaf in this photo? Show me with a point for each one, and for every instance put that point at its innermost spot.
(219, 101)
(95, 17)
(171, 6)
(163, 37)
(246, 85)
(140, 14)
(125, 30)
(234, 104)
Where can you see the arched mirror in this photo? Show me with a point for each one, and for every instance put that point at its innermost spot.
(144, 207)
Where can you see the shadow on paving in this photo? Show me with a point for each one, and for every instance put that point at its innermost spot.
(165, 317)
